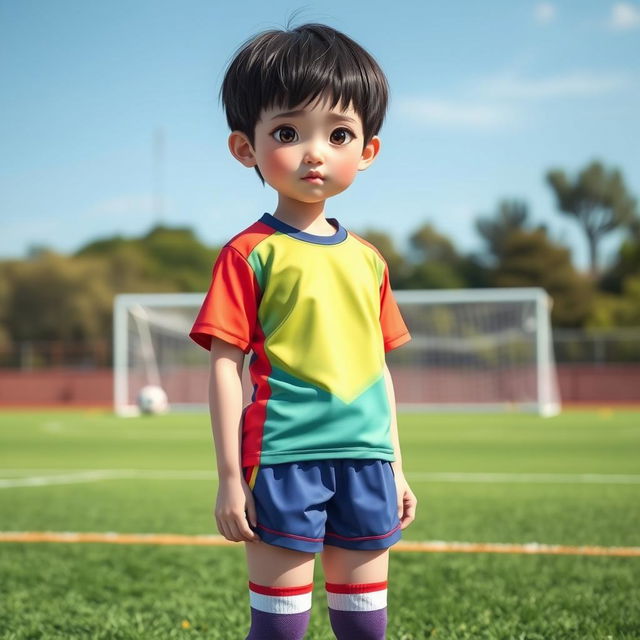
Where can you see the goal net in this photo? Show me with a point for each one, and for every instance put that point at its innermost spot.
(472, 350)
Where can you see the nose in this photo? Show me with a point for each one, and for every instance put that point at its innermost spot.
(313, 153)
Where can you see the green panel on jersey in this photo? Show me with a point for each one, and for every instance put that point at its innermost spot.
(321, 425)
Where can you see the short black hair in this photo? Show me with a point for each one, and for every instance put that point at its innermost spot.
(288, 67)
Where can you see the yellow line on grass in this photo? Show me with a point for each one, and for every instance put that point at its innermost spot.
(429, 546)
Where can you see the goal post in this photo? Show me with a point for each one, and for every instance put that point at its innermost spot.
(477, 350)
(471, 350)
(151, 346)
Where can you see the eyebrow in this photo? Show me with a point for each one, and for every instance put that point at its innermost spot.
(301, 112)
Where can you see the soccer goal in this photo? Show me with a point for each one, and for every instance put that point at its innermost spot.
(472, 350)
(477, 350)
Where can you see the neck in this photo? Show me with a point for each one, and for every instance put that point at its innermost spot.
(302, 215)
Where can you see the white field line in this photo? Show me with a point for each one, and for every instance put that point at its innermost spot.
(426, 546)
(97, 475)
(570, 478)
(46, 477)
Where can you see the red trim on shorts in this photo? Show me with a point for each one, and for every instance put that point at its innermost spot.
(332, 587)
(280, 591)
(384, 535)
(289, 535)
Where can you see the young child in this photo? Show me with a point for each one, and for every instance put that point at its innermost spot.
(312, 464)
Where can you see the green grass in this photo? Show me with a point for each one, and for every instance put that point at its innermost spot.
(112, 591)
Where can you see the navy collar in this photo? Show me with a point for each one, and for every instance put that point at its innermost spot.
(339, 236)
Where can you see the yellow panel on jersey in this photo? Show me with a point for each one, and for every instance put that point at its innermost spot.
(321, 312)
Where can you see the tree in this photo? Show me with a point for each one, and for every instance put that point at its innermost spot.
(619, 304)
(531, 259)
(521, 256)
(626, 263)
(57, 297)
(435, 262)
(165, 259)
(5, 297)
(510, 216)
(598, 200)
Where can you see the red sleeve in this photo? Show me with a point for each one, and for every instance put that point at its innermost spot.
(394, 330)
(230, 308)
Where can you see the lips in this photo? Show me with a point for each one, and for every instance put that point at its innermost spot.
(314, 177)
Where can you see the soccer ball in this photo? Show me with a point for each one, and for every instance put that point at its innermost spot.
(152, 400)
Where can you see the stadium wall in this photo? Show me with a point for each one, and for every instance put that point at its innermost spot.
(68, 387)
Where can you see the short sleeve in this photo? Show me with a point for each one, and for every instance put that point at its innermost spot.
(230, 308)
(394, 330)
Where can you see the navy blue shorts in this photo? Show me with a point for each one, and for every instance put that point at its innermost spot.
(343, 502)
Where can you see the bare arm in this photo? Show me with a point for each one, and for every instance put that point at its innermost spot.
(225, 404)
(395, 439)
(407, 501)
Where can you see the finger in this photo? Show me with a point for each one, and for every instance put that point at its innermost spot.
(245, 531)
(231, 532)
(251, 527)
(399, 500)
(252, 515)
(236, 536)
(409, 514)
(241, 530)
(222, 529)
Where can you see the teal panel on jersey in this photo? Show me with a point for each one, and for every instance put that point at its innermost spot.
(319, 424)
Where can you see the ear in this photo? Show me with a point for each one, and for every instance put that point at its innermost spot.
(370, 151)
(241, 149)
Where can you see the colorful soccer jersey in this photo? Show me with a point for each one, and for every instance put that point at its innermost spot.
(319, 314)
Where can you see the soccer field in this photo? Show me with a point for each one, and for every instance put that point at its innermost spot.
(573, 480)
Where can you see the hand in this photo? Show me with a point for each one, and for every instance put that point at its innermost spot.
(407, 501)
(235, 509)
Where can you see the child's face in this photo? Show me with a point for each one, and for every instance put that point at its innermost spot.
(291, 144)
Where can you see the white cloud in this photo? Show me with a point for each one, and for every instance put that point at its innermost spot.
(457, 113)
(624, 16)
(500, 101)
(577, 83)
(544, 12)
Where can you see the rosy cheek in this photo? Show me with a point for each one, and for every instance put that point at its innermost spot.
(281, 162)
(346, 170)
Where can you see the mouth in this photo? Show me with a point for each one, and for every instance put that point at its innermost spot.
(314, 178)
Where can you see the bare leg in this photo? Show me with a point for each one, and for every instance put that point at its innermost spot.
(278, 567)
(349, 566)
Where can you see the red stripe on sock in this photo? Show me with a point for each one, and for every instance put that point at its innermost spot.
(355, 588)
(280, 591)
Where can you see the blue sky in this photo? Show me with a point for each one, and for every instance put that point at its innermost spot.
(486, 96)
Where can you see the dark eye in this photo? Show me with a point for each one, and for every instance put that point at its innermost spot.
(285, 134)
(341, 136)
